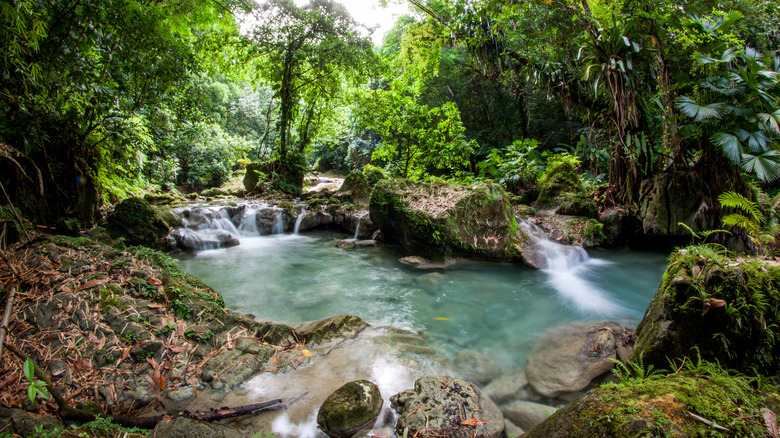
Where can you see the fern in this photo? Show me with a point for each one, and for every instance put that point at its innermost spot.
(735, 200)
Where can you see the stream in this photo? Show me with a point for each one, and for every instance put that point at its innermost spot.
(496, 309)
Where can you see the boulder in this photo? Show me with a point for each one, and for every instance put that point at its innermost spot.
(439, 220)
(672, 198)
(181, 427)
(137, 222)
(507, 387)
(350, 409)
(688, 404)
(190, 240)
(568, 357)
(571, 230)
(559, 181)
(477, 366)
(356, 184)
(715, 307)
(526, 414)
(446, 406)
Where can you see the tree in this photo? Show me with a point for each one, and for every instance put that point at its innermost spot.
(306, 54)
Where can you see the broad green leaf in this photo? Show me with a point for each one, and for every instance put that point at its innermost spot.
(773, 120)
(29, 370)
(765, 165)
(699, 112)
(730, 145)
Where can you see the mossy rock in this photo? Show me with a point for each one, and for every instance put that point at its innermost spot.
(578, 205)
(715, 306)
(214, 192)
(137, 222)
(160, 198)
(350, 409)
(560, 178)
(357, 184)
(687, 404)
(438, 220)
(373, 174)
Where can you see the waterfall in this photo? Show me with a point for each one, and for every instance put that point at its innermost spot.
(567, 269)
(298, 220)
(357, 227)
(248, 226)
(278, 227)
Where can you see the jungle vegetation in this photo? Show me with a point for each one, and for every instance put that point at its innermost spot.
(102, 99)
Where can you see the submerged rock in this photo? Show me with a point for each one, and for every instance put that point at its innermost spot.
(475, 365)
(350, 409)
(440, 220)
(446, 406)
(568, 357)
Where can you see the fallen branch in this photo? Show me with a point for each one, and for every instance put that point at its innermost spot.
(709, 423)
(9, 304)
(212, 415)
(16, 215)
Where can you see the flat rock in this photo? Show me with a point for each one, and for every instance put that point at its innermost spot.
(568, 357)
(440, 405)
(507, 387)
(527, 414)
(181, 427)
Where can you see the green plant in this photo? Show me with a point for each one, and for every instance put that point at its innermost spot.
(635, 370)
(751, 223)
(36, 387)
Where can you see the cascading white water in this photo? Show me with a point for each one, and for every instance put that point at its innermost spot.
(298, 220)
(219, 221)
(248, 225)
(567, 267)
(278, 227)
(357, 228)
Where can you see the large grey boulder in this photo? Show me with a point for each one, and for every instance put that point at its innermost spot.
(446, 406)
(350, 409)
(568, 357)
(526, 414)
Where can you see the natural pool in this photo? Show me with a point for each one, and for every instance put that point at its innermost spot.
(497, 309)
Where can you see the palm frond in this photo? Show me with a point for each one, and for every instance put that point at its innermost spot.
(699, 112)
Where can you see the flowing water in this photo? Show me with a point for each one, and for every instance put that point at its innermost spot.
(497, 309)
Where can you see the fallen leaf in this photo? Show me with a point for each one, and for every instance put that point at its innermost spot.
(177, 348)
(83, 365)
(473, 422)
(157, 308)
(154, 281)
(306, 353)
(442, 319)
(714, 302)
(93, 283)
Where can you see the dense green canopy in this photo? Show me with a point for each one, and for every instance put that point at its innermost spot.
(102, 99)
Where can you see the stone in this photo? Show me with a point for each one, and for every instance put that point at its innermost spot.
(511, 429)
(422, 263)
(507, 387)
(190, 240)
(671, 198)
(137, 222)
(477, 366)
(526, 414)
(438, 405)
(345, 244)
(568, 357)
(350, 409)
(26, 424)
(439, 220)
(181, 427)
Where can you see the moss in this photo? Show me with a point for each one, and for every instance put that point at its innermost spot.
(357, 184)
(559, 177)
(373, 174)
(662, 406)
(353, 405)
(289, 208)
(137, 222)
(213, 192)
(726, 307)
(71, 242)
(578, 205)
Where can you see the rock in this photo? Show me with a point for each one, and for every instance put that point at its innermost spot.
(511, 429)
(477, 366)
(438, 405)
(345, 244)
(527, 414)
(350, 409)
(571, 230)
(578, 205)
(688, 314)
(26, 424)
(329, 329)
(137, 222)
(507, 387)
(559, 181)
(678, 405)
(181, 427)
(356, 184)
(190, 240)
(422, 263)
(438, 220)
(568, 357)
(672, 198)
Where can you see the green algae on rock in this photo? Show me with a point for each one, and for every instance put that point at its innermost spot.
(137, 222)
(721, 307)
(701, 401)
(350, 409)
(438, 220)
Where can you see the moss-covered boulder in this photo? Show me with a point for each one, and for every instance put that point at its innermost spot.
(356, 183)
(285, 174)
(720, 307)
(137, 222)
(446, 406)
(559, 181)
(578, 205)
(699, 402)
(437, 220)
(668, 199)
(350, 409)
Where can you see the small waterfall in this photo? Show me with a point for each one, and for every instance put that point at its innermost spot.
(248, 226)
(278, 227)
(299, 219)
(220, 221)
(357, 227)
(567, 268)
